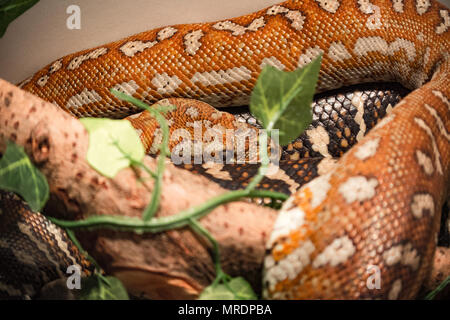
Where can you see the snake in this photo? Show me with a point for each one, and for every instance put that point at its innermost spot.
(378, 207)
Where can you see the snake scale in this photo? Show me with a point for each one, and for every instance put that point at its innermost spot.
(380, 204)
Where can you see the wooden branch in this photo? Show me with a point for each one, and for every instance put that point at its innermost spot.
(175, 264)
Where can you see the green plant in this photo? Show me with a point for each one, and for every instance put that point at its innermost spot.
(11, 9)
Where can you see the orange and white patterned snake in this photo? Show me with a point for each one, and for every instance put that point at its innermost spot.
(380, 206)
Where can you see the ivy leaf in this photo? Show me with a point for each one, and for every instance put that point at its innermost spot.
(11, 9)
(19, 175)
(240, 290)
(97, 287)
(282, 100)
(113, 144)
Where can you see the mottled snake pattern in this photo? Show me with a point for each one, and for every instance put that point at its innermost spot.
(380, 203)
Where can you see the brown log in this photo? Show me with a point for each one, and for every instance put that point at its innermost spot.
(174, 264)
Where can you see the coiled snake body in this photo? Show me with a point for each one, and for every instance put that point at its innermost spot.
(380, 205)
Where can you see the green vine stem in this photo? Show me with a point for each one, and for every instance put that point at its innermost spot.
(432, 294)
(153, 206)
(98, 269)
(197, 227)
(221, 276)
(158, 224)
(262, 170)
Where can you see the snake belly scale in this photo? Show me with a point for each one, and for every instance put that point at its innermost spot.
(380, 205)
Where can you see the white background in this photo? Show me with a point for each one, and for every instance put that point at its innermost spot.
(40, 35)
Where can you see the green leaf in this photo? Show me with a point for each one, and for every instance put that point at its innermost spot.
(97, 287)
(236, 289)
(282, 100)
(19, 175)
(11, 9)
(113, 145)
